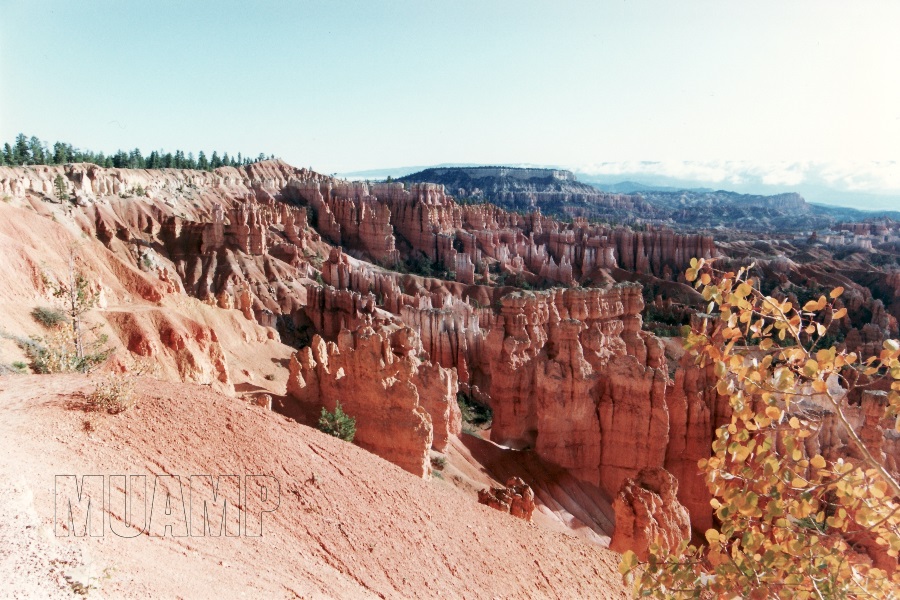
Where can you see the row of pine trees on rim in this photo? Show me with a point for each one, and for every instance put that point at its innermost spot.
(32, 151)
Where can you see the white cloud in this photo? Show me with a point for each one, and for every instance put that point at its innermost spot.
(869, 177)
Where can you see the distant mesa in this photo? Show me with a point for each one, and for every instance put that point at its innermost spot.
(558, 193)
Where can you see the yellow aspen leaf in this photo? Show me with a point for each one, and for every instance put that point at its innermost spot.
(794, 423)
(820, 386)
(840, 314)
(811, 306)
(712, 536)
(811, 368)
(773, 412)
(820, 329)
(690, 274)
(825, 355)
(817, 461)
(629, 561)
(836, 292)
(798, 482)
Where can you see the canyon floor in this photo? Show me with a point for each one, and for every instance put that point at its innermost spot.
(349, 524)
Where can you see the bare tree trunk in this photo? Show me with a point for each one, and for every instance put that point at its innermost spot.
(75, 310)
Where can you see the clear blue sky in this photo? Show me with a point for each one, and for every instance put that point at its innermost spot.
(346, 86)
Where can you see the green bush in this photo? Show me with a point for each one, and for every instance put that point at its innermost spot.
(339, 424)
(473, 413)
(48, 317)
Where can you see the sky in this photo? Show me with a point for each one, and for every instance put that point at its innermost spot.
(596, 86)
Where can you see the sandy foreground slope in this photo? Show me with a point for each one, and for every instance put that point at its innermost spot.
(347, 524)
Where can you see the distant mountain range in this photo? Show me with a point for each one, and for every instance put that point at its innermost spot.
(558, 192)
(864, 186)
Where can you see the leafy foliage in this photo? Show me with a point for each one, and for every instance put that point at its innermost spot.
(48, 317)
(473, 413)
(792, 523)
(338, 423)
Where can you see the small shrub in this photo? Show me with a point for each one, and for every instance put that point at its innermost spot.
(439, 462)
(20, 367)
(114, 394)
(140, 191)
(270, 377)
(48, 317)
(58, 352)
(473, 413)
(339, 424)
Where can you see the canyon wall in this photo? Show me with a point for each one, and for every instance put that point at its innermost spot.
(319, 263)
(403, 406)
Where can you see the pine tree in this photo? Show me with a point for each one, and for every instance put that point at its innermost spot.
(215, 162)
(202, 163)
(120, 160)
(36, 150)
(135, 160)
(339, 424)
(60, 154)
(8, 154)
(62, 191)
(21, 154)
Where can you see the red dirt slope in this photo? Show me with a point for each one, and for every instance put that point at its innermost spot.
(349, 524)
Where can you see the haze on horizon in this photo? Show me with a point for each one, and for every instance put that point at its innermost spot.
(766, 94)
